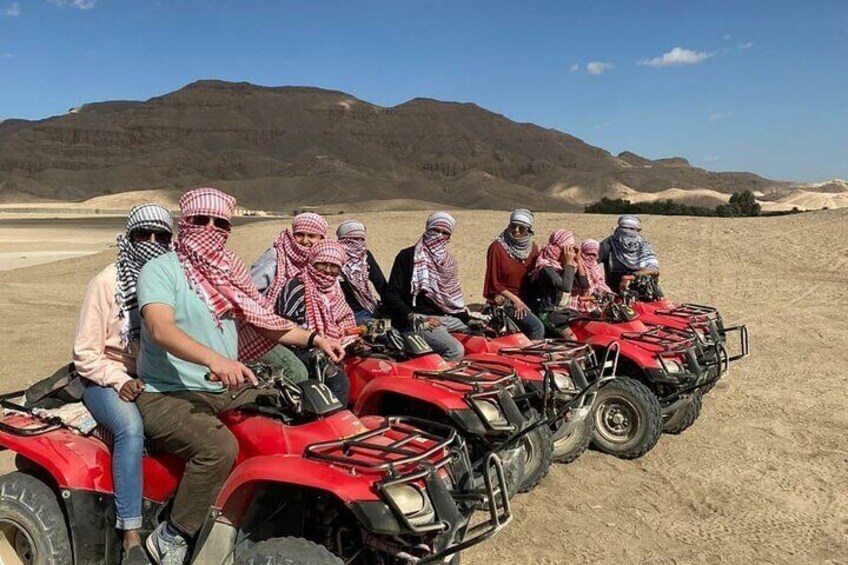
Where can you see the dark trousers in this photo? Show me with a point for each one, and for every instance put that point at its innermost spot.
(185, 423)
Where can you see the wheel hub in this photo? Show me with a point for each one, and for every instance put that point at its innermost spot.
(617, 420)
(17, 539)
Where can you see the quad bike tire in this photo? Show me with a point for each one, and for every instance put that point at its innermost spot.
(539, 455)
(685, 417)
(627, 419)
(33, 521)
(567, 449)
(287, 551)
(513, 461)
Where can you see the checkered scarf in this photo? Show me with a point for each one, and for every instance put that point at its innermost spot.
(292, 256)
(356, 271)
(327, 312)
(595, 274)
(633, 250)
(435, 271)
(132, 257)
(519, 248)
(551, 253)
(215, 273)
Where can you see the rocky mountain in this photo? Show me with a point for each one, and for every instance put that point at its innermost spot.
(280, 147)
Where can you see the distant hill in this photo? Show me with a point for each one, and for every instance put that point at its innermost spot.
(277, 148)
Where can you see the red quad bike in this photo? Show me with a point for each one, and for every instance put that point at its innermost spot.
(642, 295)
(561, 377)
(394, 373)
(664, 371)
(312, 485)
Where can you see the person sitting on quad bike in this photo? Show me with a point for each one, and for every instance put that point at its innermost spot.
(360, 272)
(276, 266)
(595, 278)
(314, 300)
(509, 260)
(551, 277)
(104, 353)
(627, 252)
(425, 281)
(190, 301)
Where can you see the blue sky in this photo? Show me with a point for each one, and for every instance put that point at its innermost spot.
(760, 86)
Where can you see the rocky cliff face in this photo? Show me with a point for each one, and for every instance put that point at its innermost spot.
(277, 147)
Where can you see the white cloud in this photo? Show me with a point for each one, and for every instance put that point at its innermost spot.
(603, 125)
(718, 116)
(726, 37)
(13, 11)
(677, 57)
(711, 159)
(598, 67)
(7, 55)
(78, 4)
(574, 68)
(747, 45)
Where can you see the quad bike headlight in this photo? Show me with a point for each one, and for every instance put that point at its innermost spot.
(414, 503)
(563, 382)
(673, 367)
(491, 412)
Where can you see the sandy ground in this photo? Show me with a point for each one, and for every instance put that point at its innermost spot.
(760, 478)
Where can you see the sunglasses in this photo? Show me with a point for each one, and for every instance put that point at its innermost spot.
(220, 223)
(328, 268)
(145, 235)
(519, 228)
(592, 255)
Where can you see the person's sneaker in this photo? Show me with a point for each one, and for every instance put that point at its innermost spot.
(166, 549)
(135, 555)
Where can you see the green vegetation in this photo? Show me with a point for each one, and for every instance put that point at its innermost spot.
(741, 204)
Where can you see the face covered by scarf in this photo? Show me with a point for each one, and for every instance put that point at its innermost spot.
(518, 247)
(351, 235)
(132, 256)
(291, 255)
(217, 275)
(435, 271)
(326, 309)
(595, 274)
(633, 250)
(552, 253)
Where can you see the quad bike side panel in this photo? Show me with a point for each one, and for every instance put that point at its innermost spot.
(237, 492)
(83, 463)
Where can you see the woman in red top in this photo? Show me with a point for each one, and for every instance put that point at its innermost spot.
(508, 262)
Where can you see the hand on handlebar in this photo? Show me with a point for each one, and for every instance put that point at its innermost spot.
(230, 373)
(333, 349)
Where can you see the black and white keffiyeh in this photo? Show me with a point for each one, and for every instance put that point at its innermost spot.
(633, 250)
(132, 256)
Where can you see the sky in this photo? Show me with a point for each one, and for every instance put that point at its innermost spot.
(758, 86)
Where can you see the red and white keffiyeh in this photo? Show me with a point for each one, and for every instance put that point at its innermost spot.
(292, 256)
(214, 272)
(551, 253)
(435, 271)
(356, 271)
(595, 274)
(327, 311)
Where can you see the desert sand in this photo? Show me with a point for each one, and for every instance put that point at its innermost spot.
(761, 476)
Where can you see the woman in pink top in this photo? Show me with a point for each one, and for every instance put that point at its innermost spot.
(105, 350)
(594, 277)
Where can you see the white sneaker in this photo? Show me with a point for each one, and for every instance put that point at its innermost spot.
(166, 552)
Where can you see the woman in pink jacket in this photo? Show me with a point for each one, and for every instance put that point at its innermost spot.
(105, 350)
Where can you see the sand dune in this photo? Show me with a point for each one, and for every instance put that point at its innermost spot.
(760, 478)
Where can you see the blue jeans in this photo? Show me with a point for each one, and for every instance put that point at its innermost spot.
(123, 421)
(531, 326)
(362, 316)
